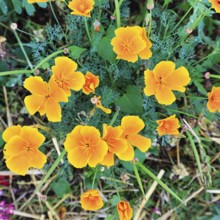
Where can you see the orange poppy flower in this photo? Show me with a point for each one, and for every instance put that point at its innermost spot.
(44, 98)
(85, 146)
(130, 42)
(168, 125)
(81, 7)
(21, 149)
(163, 79)
(125, 211)
(91, 82)
(97, 101)
(131, 126)
(65, 75)
(91, 200)
(215, 5)
(116, 144)
(213, 103)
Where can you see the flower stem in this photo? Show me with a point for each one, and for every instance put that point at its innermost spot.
(51, 170)
(114, 117)
(94, 177)
(23, 50)
(117, 8)
(87, 31)
(214, 76)
(15, 72)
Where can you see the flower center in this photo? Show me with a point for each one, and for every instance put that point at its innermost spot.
(215, 99)
(126, 46)
(82, 7)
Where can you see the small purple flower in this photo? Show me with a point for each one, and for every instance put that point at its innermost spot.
(6, 210)
(1, 192)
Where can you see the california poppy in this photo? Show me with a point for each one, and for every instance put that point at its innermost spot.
(131, 126)
(163, 79)
(85, 146)
(168, 125)
(21, 149)
(91, 82)
(131, 42)
(125, 211)
(81, 7)
(66, 76)
(44, 98)
(213, 103)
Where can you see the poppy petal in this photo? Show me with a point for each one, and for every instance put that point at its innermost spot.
(142, 143)
(36, 85)
(163, 69)
(77, 81)
(18, 164)
(108, 160)
(178, 79)
(128, 154)
(33, 103)
(131, 124)
(164, 95)
(150, 83)
(10, 132)
(53, 111)
(37, 159)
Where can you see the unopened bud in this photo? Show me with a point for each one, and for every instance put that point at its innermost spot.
(14, 26)
(150, 4)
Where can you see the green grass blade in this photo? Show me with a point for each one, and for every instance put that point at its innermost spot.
(138, 178)
(51, 170)
(165, 187)
(196, 154)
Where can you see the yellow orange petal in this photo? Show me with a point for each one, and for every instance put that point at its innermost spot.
(53, 111)
(18, 164)
(33, 136)
(36, 85)
(145, 53)
(108, 160)
(14, 146)
(131, 124)
(55, 92)
(33, 103)
(10, 132)
(150, 83)
(128, 154)
(178, 79)
(100, 150)
(142, 143)
(164, 95)
(37, 159)
(163, 69)
(90, 134)
(77, 158)
(77, 82)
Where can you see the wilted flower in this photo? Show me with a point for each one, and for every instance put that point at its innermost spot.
(81, 7)
(168, 125)
(65, 75)
(125, 211)
(91, 200)
(21, 149)
(91, 82)
(85, 146)
(96, 25)
(131, 126)
(131, 42)
(45, 98)
(96, 100)
(213, 103)
(163, 79)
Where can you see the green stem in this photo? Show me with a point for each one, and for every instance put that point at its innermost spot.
(115, 184)
(23, 50)
(155, 178)
(118, 18)
(93, 181)
(15, 72)
(87, 30)
(181, 112)
(120, 2)
(47, 58)
(214, 76)
(51, 170)
(196, 154)
(114, 117)
(138, 178)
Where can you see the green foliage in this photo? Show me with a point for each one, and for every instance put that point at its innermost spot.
(61, 187)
